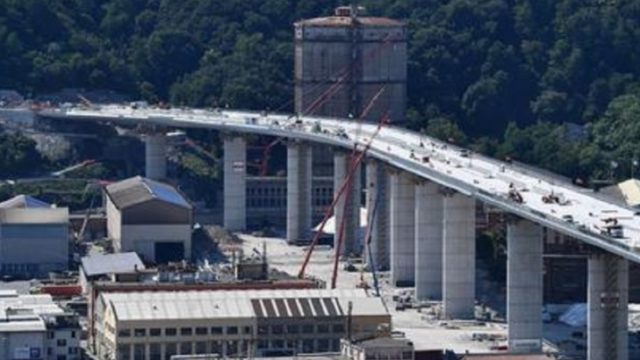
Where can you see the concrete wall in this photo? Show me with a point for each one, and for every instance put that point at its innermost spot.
(402, 229)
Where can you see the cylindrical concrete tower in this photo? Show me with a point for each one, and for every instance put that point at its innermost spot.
(348, 59)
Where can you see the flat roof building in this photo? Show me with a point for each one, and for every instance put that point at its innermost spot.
(233, 323)
(108, 266)
(148, 217)
(34, 238)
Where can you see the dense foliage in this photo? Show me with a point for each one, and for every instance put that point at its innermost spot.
(18, 155)
(506, 76)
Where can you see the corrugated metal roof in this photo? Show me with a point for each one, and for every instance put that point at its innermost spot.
(630, 190)
(23, 201)
(338, 21)
(111, 264)
(241, 304)
(137, 190)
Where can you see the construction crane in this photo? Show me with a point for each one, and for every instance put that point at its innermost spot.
(100, 183)
(384, 120)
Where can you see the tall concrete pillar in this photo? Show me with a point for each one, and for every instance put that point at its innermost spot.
(607, 308)
(235, 183)
(351, 212)
(377, 196)
(524, 286)
(459, 256)
(402, 229)
(155, 153)
(298, 192)
(428, 241)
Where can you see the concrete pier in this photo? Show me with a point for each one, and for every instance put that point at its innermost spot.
(342, 165)
(524, 286)
(459, 257)
(377, 185)
(428, 241)
(402, 229)
(235, 183)
(298, 192)
(155, 154)
(607, 308)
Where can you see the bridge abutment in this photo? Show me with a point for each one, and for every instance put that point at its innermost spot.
(428, 241)
(235, 183)
(299, 204)
(524, 286)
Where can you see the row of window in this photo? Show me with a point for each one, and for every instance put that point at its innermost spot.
(300, 329)
(185, 331)
(72, 350)
(226, 348)
(305, 345)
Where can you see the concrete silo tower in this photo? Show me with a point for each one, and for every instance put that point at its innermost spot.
(343, 61)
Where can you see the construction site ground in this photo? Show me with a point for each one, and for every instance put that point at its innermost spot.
(422, 325)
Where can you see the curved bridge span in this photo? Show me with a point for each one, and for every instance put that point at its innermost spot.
(580, 215)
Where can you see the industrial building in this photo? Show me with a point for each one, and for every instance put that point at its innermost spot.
(34, 238)
(113, 267)
(34, 327)
(232, 323)
(148, 217)
(379, 348)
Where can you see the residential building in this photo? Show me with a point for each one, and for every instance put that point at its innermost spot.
(148, 217)
(34, 238)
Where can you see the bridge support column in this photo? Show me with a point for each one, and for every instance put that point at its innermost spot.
(524, 286)
(402, 227)
(235, 183)
(377, 197)
(155, 151)
(459, 257)
(298, 192)
(342, 165)
(428, 241)
(607, 308)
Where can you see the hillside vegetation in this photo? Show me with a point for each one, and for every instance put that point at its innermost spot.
(549, 82)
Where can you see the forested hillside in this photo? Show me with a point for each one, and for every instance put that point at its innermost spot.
(504, 76)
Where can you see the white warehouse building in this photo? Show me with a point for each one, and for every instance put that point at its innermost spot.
(148, 217)
(34, 238)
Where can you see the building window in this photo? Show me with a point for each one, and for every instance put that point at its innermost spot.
(186, 331)
(61, 357)
(323, 328)
(307, 329)
(216, 330)
(263, 344)
(170, 349)
(185, 348)
(155, 332)
(247, 330)
(49, 351)
(73, 334)
(139, 352)
(124, 333)
(155, 351)
(335, 345)
(140, 332)
(201, 347)
(293, 329)
(262, 330)
(277, 329)
(124, 352)
(61, 342)
(216, 347)
(277, 344)
(170, 332)
(50, 335)
(232, 330)
(323, 345)
(307, 346)
(232, 348)
(338, 328)
(73, 350)
(201, 331)
(407, 355)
